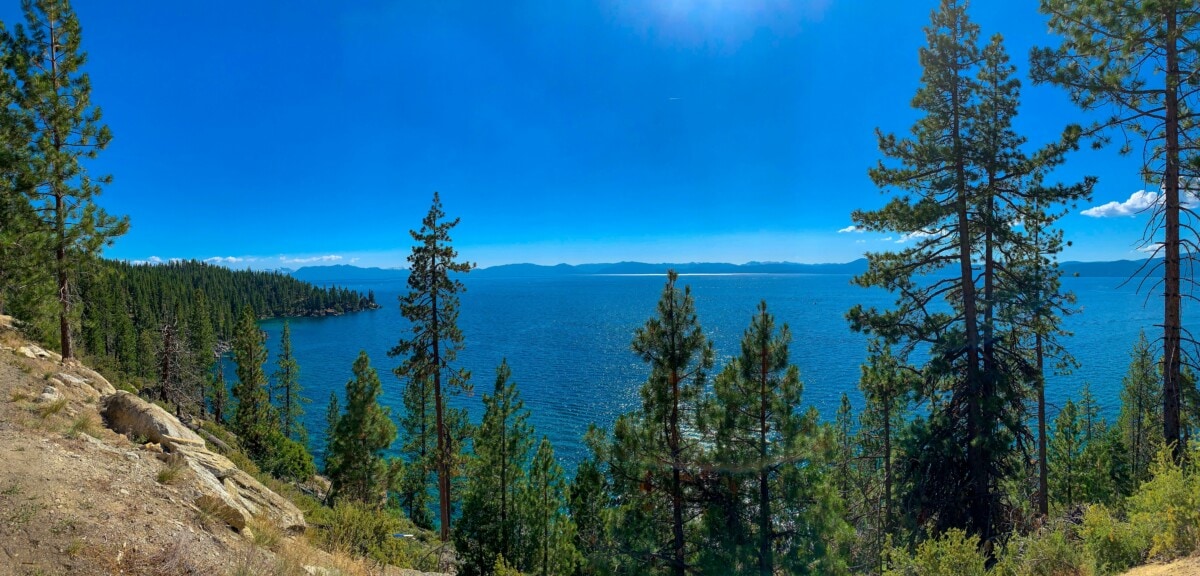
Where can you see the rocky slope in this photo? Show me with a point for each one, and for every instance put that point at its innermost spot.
(145, 496)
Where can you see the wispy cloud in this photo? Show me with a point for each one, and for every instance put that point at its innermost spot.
(150, 260)
(919, 234)
(310, 259)
(228, 260)
(849, 229)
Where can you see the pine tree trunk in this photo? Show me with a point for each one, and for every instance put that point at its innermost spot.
(678, 562)
(443, 448)
(977, 458)
(765, 560)
(1172, 320)
(1043, 484)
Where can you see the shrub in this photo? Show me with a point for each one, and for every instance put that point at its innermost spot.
(289, 460)
(951, 554)
(363, 531)
(1166, 508)
(1044, 553)
(1115, 545)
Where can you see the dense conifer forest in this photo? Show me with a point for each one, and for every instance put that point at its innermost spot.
(953, 466)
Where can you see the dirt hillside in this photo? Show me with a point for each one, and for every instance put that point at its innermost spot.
(78, 498)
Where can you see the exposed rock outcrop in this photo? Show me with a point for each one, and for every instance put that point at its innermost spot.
(224, 489)
(34, 351)
(128, 414)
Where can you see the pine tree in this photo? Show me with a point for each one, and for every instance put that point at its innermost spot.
(549, 549)
(588, 502)
(653, 462)
(844, 447)
(1066, 457)
(177, 383)
(1135, 62)
(1140, 420)
(287, 389)
(19, 234)
(964, 180)
(769, 458)
(489, 527)
(254, 420)
(886, 385)
(54, 98)
(355, 463)
(202, 346)
(417, 428)
(218, 392)
(431, 307)
(332, 413)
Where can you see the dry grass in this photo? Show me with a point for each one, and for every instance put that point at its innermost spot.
(86, 423)
(175, 560)
(266, 534)
(49, 409)
(174, 470)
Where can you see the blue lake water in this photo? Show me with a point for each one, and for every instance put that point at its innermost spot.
(567, 341)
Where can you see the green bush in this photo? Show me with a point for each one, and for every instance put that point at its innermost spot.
(1167, 508)
(289, 460)
(951, 554)
(363, 531)
(1115, 545)
(1044, 553)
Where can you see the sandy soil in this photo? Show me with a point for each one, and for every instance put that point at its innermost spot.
(1184, 567)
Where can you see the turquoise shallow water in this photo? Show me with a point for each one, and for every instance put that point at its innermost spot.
(567, 341)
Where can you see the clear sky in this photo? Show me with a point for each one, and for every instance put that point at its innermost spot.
(282, 133)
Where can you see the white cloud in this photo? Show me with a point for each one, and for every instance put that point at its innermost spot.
(310, 260)
(354, 260)
(850, 228)
(150, 260)
(887, 238)
(227, 260)
(1138, 202)
(919, 234)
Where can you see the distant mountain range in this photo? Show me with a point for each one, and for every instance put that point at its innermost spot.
(343, 273)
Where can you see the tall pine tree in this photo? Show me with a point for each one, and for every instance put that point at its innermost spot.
(964, 181)
(54, 98)
(1140, 420)
(1135, 62)
(254, 419)
(549, 548)
(490, 527)
(769, 458)
(287, 394)
(654, 461)
(431, 307)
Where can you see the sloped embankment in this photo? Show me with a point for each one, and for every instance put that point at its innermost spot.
(77, 497)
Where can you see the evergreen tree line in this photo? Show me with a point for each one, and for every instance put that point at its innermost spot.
(127, 306)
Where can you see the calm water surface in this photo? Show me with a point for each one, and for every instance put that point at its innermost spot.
(567, 341)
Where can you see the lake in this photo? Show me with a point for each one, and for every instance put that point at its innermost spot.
(567, 340)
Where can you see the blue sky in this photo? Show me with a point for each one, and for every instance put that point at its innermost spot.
(272, 134)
